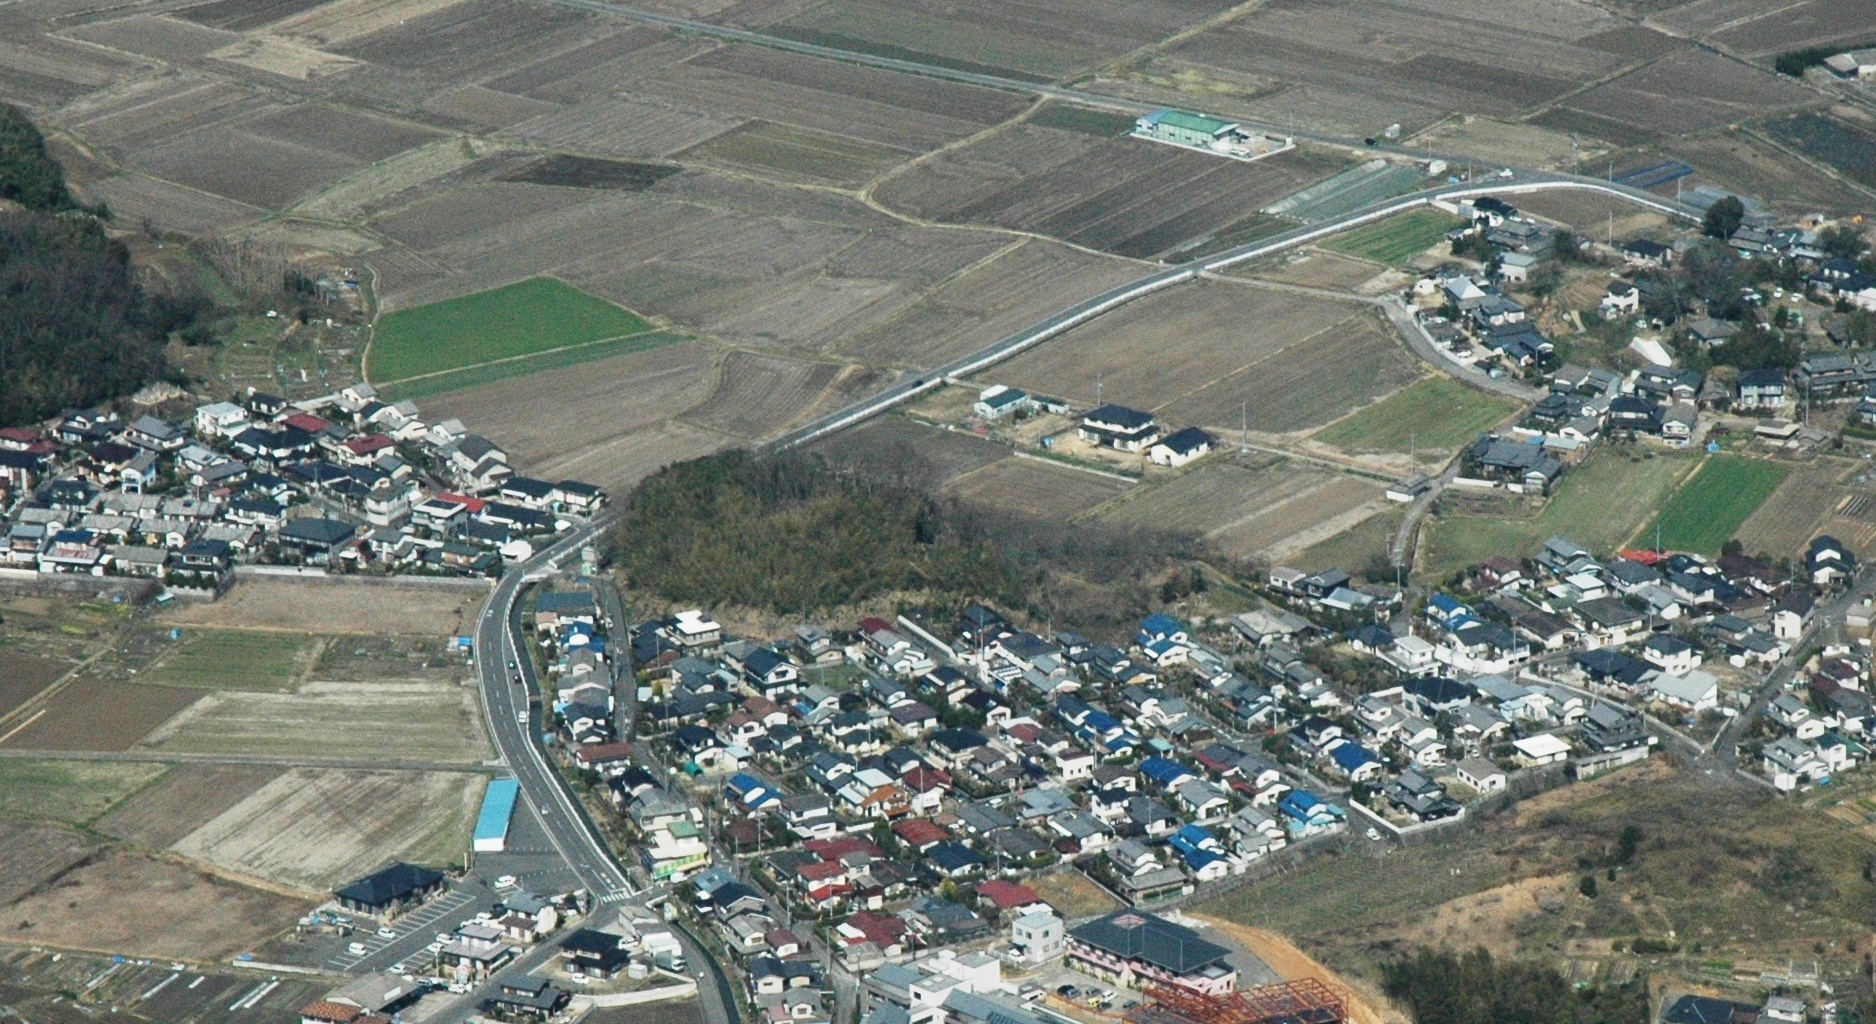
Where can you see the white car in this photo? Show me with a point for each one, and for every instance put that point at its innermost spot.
(442, 938)
(1373, 835)
(356, 949)
(505, 882)
(387, 932)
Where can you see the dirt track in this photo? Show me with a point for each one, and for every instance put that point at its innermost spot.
(1364, 1005)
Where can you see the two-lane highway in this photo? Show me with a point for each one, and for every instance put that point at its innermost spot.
(509, 688)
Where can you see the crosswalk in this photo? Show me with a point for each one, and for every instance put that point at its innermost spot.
(419, 921)
(616, 896)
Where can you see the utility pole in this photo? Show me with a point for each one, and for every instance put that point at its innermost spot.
(1244, 426)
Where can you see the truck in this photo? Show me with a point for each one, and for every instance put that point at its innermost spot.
(665, 950)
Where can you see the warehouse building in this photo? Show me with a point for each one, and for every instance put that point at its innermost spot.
(1202, 131)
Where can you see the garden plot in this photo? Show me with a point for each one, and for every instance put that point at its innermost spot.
(315, 828)
(184, 800)
(1172, 346)
(438, 721)
(234, 659)
(1036, 488)
(1848, 150)
(1438, 413)
(758, 395)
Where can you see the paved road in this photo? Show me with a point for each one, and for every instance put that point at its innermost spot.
(501, 658)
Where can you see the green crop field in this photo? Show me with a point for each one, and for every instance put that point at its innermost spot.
(522, 319)
(70, 791)
(1396, 239)
(1438, 412)
(231, 659)
(1709, 508)
(1084, 120)
(1600, 504)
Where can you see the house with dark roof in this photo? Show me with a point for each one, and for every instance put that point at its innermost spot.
(1180, 448)
(1118, 427)
(390, 889)
(1136, 949)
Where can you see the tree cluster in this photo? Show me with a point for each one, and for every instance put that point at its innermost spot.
(28, 174)
(75, 328)
(1441, 987)
(797, 533)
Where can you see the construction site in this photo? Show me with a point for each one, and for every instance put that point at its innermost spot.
(1304, 1001)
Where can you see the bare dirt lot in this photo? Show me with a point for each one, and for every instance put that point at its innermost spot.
(1313, 269)
(1365, 1005)
(140, 904)
(93, 714)
(337, 608)
(187, 798)
(37, 851)
(377, 721)
(314, 828)
(1248, 505)
(888, 440)
(1036, 488)
(1308, 384)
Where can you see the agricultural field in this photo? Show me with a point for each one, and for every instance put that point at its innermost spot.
(1600, 504)
(1249, 507)
(438, 721)
(1025, 39)
(1035, 487)
(1354, 549)
(1438, 413)
(1319, 62)
(314, 828)
(1795, 512)
(1689, 91)
(1504, 142)
(24, 675)
(1311, 268)
(1594, 215)
(96, 714)
(75, 792)
(758, 395)
(1307, 384)
(944, 455)
(187, 797)
(791, 154)
(532, 316)
(144, 905)
(1126, 196)
(1743, 27)
(233, 659)
(1184, 353)
(261, 604)
(598, 421)
(1846, 149)
(1396, 240)
(1704, 513)
(1743, 163)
